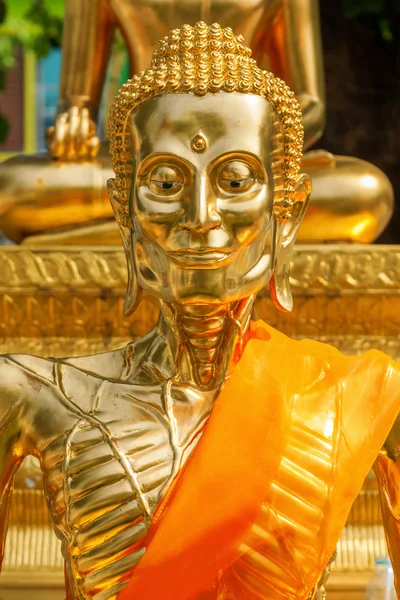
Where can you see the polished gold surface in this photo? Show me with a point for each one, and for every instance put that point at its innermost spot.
(112, 431)
(82, 213)
(44, 202)
(61, 301)
(73, 137)
(352, 199)
(275, 31)
(206, 227)
(68, 194)
(204, 60)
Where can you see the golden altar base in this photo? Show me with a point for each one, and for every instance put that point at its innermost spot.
(58, 302)
(62, 301)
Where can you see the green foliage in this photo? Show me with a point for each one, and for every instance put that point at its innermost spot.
(33, 24)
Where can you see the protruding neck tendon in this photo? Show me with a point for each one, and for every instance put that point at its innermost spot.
(203, 338)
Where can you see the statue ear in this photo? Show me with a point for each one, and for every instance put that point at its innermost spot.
(134, 291)
(284, 238)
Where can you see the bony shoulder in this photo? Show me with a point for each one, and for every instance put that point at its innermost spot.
(22, 378)
(107, 365)
(34, 365)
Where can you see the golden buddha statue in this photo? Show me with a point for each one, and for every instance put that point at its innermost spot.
(44, 201)
(215, 458)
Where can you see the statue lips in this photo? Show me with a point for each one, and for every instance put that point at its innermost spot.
(200, 258)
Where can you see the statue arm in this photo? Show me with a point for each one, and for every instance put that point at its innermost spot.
(87, 39)
(387, 470)
(305, 66)
(293, 51)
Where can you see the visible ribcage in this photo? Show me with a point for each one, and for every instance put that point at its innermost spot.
(102, 496)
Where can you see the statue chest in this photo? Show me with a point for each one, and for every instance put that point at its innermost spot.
(144, 22)
(105, 475)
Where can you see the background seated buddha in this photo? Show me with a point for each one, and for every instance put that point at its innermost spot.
(62, 198)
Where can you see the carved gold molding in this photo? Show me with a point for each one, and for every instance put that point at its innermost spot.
(315, 268)
(62, 270)
(70, 301)
(346, 269)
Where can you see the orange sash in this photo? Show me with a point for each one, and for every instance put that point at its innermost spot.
(209, 515)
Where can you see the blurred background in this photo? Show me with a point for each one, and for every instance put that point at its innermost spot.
(30, 64)
(361, 40)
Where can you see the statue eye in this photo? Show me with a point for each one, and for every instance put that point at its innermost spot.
(165, 185)
(236, 177)
(236, 184)
(166, 180)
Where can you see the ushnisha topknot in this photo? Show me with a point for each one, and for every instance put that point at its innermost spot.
(200, 60)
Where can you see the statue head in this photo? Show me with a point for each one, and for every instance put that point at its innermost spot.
(208, 194)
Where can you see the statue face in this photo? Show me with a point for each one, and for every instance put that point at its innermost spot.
(202, 196)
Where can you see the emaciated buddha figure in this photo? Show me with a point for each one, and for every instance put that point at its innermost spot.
(215, 458)
(64, 200)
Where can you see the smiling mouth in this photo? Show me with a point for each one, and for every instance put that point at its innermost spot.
(199, 258)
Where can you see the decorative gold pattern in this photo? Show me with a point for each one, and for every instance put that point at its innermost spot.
(83, 292)
(363, 538)
(31, 543)
(201, 60)
(112, 431)
(344, 295)
(315, 269)
(62, 269)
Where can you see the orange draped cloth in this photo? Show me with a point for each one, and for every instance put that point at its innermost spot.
(281, 393)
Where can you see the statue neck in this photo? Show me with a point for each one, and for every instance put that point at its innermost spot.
(203, 338)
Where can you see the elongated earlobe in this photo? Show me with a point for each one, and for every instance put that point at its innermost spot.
(279, 284)
(134, 292)
(284, 239)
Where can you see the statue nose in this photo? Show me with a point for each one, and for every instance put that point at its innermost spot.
(201, 214)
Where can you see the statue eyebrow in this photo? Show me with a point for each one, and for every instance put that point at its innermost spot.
(158, 158)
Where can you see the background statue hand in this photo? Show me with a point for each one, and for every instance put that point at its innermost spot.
(74, 136)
